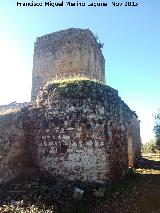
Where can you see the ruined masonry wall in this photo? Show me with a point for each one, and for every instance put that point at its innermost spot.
(81, 132)
(66, 53)
(14, 155)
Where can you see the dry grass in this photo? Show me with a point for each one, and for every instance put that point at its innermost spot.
(8, 111)
(18, 207)
(147, 171)
(151, 156)
(153, 169)
(141, 194)
(138, 193)
(72, 79)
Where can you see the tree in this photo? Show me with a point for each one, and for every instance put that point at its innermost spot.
(149, 147)
(157, 129)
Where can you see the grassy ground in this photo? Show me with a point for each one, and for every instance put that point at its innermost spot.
(139, 193)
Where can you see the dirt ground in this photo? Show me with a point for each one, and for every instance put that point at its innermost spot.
(138, 193)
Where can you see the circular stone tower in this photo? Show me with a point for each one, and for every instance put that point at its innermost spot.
(66, 53)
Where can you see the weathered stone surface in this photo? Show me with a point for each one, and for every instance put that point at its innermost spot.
(74, 129)
(81, 131)
(14, 155)
(64, 54)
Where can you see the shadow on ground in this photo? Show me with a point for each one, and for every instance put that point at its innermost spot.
(139, 192)
(142, 191)
(149, 162)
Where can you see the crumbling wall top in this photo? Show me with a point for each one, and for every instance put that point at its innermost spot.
(67, 53)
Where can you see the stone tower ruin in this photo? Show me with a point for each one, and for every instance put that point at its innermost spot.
(78, 130)
(64, 54)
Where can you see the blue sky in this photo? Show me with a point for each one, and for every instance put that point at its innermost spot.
(131, 37)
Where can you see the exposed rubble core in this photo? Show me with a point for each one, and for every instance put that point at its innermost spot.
(14, 154)
(79, 130)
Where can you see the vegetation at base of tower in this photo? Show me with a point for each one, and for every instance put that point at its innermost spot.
(157, 129)
(77, 87)
(72, 79)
